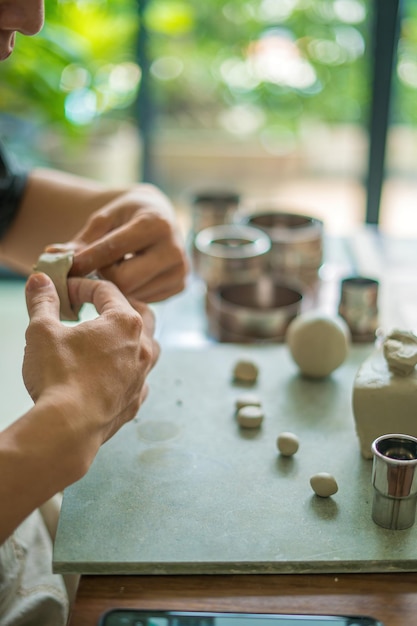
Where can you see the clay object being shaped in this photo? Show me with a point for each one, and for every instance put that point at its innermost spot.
(324, 484)
(57, 266)
(384, 398)
(318, 343)
(400, 352)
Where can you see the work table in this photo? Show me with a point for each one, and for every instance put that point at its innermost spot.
(390, 597)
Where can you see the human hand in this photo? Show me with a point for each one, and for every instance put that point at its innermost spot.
(100, 365)
(132, 241)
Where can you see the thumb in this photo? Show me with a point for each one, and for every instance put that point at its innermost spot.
(41, 297)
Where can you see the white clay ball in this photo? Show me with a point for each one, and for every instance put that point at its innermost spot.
(288, 443)
(250, 416)
(247, 400)
(323, 484)
(318, 343)
(245, 371)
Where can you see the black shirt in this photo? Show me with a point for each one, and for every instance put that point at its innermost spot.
(12, 186)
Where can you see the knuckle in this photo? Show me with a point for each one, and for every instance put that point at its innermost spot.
(179, 261)
(132, 321)
(147, 353)
(99, 218)
(154, 222)
(164, 227)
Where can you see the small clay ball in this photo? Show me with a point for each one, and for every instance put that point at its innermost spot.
(245, 372)
(323, 484)
(318, 343)
(250, 416)
(247, 400)
(288, 443)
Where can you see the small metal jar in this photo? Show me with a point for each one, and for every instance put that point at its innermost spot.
(213, 208)
(359, 306)
(297, 244)
(394, 479)
(230, 254)
(253, 312)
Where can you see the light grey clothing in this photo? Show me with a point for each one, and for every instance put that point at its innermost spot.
(30, 594)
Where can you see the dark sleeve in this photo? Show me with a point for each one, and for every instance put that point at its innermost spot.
(12, 186)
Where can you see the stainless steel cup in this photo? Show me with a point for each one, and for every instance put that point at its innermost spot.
(257, 312)
(212, 208)
(394, 479)
(297, 244)
(359, 306)
(230, 253)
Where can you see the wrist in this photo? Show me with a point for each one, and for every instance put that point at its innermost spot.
(41, 454)
(52, 437)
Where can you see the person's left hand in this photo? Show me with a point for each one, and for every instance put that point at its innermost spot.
(134, 242)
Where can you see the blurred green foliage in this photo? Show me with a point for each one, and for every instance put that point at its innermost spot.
(240, 65)
(247, 64)
(80, 67)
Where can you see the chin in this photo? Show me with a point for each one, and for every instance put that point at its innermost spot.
(6, 47)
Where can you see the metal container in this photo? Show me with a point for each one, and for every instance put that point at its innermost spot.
(230, 254)
(213, 208)
(359, 306)
(394, 479)
(252, 312)
(297, 244)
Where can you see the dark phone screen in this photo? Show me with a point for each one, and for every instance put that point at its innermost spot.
(126, 617)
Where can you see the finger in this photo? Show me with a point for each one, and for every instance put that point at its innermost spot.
(133, 237)
(103, 221)
(41, 297)
(105, 251)
(165, 286)
(105, 296)
(142, 270)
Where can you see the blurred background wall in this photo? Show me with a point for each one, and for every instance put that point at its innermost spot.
(271, 99)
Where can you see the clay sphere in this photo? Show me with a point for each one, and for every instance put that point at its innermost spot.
(318, 343)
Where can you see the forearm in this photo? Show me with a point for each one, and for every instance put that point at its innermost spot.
(41, 454)
(54, 207)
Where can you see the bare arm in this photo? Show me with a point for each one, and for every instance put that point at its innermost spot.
(129, 236)
(54, 208)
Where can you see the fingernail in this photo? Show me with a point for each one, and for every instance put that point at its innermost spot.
(59, 247)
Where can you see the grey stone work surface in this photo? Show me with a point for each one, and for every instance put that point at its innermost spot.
(183, 489)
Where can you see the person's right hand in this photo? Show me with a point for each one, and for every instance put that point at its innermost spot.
(98, 366)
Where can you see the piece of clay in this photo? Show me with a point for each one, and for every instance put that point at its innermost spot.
(250, 416)
(318, 343)
(245, 371)
(384, 401)
(324, 484)
(57, 266)
(247, 400)
(288, 443)
(400, 352)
